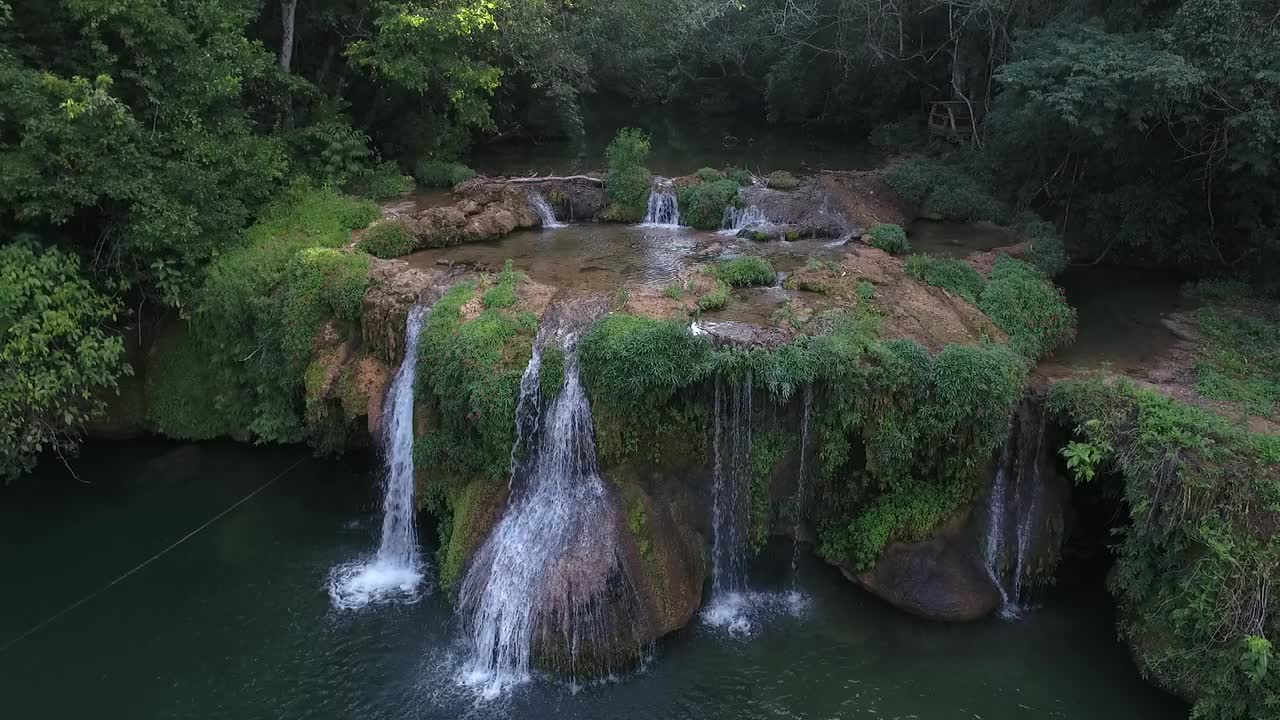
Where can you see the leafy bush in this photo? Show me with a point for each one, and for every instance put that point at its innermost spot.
(908, 514)
(441, 173)
(956, 276)
(383, 180)
(740, 176)
(744, 272)
(1047, 251)
(57, 355)
(389, 239)
(629, 182)
(633, 361)
(942, 191)
(890, 238)
(781, 180)
(1199, 549)
(707, 174)
(263, 303)
(702, 205)
(470, 374)
(1025, 304)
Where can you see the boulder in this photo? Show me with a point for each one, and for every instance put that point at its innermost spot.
(941, 578)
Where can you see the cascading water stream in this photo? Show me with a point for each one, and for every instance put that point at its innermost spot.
(396, 571)
(737, 219)
(1014, 507)
(802, 496)
(545, 212)
(550, 581)
(664, 206)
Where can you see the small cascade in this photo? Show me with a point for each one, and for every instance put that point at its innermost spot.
(551, 581)
(1014, 507)
(544, 210)
(802, 490)
(732, 448)
(664, 206)
(736, 219)
(396, 571)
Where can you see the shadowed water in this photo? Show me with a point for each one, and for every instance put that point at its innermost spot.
(235, 623)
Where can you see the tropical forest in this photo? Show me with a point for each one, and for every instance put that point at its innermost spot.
(596, 359)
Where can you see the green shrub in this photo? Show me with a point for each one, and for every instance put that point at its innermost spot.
(57, 354)
(739, 175)
(715, 299)
(383, 180)
(943, 190)
(1025, 304)
(629, 182)
(389, 239)
(707, 174)
(551, 372)
(702, 205)
(1047, 251)
(469, 372)
(633, 361)
(675, 291)
(184, 391)
(781, 180)
(1199, 546)
(955, 276)
(442, 173)
(503, 293)
(890, 238)
(263, 303)
(744, 272)
(908, 514)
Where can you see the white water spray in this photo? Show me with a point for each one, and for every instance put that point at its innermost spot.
(395, 572)
(664, 206)
(545, 212)
(550, 580)
(737, 219)
(1014, 507)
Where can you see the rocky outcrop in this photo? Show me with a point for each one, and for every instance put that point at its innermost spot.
(941, 578)
(827, 205)
(485, 210)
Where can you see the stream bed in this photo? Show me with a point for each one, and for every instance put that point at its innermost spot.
(235, 622)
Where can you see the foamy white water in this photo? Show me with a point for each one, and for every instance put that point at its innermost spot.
(396, 572)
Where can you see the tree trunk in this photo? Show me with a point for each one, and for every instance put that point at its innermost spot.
(288, 10)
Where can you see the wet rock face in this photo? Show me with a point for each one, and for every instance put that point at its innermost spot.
(395, 288)
(941, 578)
(486, 210)
(741, 335)
(827, 205)
(574, 200)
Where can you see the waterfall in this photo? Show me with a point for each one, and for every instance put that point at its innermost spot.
(550, 581)
(544, 210)
(732, 473)
(664, 206)
(396, 571)
(802, 497)
(735, 219)
(1014, 506)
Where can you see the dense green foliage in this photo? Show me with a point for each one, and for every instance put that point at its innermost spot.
(441, 173)
(745, 271)
(1199, 552)
(629, 181)
(58, 355)
(890, 238)
(702, 204)
(956, 276)
(389, 239)
(469, 375)
(503, 292)
(260, 308)
(1025, 304)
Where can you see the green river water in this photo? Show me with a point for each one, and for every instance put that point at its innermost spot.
(235, 621)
